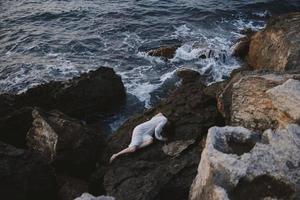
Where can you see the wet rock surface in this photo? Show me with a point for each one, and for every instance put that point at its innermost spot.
(277, 47)
(25, 175)
(151, 173)
(187, 75)
(164, 52)
(267, 170)
(65, 142)
(205, 51)
(241, 48)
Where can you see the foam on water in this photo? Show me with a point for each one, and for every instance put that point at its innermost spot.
(242, 24)
(262, 14)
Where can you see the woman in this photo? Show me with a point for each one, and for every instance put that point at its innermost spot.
(142, 135)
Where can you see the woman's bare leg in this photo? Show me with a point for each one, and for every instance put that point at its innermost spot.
(146, 143)
(131, 149)
(124, 151)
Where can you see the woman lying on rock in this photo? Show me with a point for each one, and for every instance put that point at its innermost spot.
(142, 135)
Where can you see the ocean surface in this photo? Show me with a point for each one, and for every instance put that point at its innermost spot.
(43, 40)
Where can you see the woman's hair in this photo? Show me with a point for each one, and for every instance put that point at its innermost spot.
(168, 129)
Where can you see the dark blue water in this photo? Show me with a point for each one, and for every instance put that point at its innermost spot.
(43, 40)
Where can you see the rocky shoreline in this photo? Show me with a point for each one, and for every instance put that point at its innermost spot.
(236, 139)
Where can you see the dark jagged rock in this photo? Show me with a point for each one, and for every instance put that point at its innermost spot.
(162, 171)
(277, 47)
(65, 142)
(14, 122)
(165, 52)
(92, 93)
(70, 187)
(25, 175)
(15, 125)
(187, 75)
(97, 91)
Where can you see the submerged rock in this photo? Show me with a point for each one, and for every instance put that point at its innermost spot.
(165, 52)
(216, 54)
(63, 141)
(248, 168)
(277, 47)
(25, 175)
(162, 171)
(187, 75)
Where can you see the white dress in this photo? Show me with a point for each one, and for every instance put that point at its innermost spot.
(145, 131)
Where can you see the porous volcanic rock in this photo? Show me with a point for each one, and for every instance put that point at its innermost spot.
(25, 175)
(162, 171)
(63, 141)
(235, 165)
(277, 47)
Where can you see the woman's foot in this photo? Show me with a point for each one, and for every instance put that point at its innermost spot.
(112, 158)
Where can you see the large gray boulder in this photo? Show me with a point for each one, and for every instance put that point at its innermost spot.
(235, 165)
(286, 98)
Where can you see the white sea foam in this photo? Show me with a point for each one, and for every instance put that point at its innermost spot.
(186, 52)
(182, 31)
(32, 74)
(152, 59)
(262, 13)
(242, 24)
